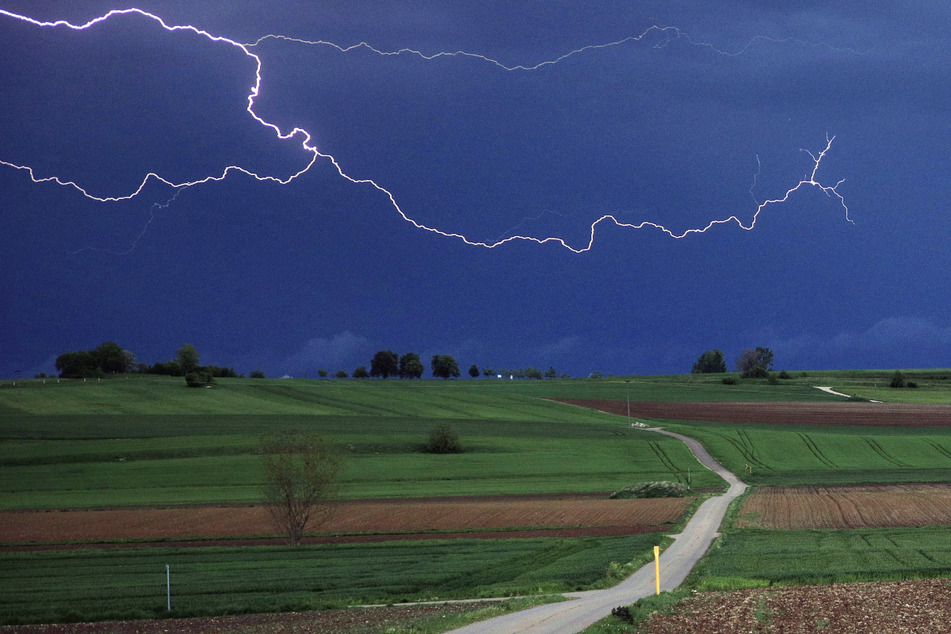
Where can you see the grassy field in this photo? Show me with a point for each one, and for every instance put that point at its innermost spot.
(794, 455)
(758, 558)
(150, 440)
(130, 583)
(68, 462)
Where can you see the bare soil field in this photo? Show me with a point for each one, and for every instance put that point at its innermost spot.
(922, 606)
(853, 506)
(356, 520)
(781, 413)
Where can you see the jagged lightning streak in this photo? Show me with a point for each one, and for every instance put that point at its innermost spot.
(669, 33)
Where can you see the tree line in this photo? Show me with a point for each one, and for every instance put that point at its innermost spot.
(111, 358)
(752, 363)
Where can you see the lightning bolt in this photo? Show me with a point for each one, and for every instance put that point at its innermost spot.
(306, 141)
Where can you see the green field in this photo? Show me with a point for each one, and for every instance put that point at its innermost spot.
(755, 557)
(782, 455)
(131, 583)
(143, 440)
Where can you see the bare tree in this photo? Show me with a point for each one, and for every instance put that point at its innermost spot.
(300, 472)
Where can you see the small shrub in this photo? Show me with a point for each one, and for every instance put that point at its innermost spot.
(898, 379)
(756, 372)
(198, 379)
(730, 380)
(443, 439)
(623, 612)
(652, 490)
(911, 384)
(784, 375)
(257, 374)
(773, 380)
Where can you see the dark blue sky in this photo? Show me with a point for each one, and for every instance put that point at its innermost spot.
(681, 127)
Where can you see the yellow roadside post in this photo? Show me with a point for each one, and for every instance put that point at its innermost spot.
(657, 568)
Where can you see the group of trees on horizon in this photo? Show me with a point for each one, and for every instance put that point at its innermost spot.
(752, 363)
(111, 358)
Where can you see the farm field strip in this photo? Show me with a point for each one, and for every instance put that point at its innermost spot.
(902, 606)
(89, 584)
(752, 557)
(346, 517)
(833, 507)
(784, 413)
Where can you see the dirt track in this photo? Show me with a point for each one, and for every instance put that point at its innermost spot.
(783, 413)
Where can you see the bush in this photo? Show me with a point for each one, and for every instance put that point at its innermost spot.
(652, 490)
(911, 384)
(443, 439)
(730, 380)
(623, 612)
(898, 379)
(784, 375)
(198, 379)
(257, 374)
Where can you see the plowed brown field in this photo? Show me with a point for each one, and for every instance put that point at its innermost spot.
(781, 413)
(358, 520)
(859, 506)
(922, 607)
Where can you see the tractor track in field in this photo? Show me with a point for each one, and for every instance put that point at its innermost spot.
(782, 413)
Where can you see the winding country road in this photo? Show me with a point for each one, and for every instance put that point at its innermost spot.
(676, 562)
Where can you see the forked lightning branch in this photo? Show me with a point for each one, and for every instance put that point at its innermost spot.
(315, 154)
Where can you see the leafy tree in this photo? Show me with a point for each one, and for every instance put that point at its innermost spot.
(300, 473)
(76, 365)
(112, 359)
(755, 363)
(488, 372)
(361, 373)
(474, 371)
(533, 373)
(550, 373)
(341, 374)
(322, 374)
(106, 358)
(187, 356)
(257, 374)
(444, 366)
(710, 362)
(384, 364)
(167, 368)
(443, 439)
(410, 366)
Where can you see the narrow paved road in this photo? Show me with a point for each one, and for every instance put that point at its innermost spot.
(676, 562)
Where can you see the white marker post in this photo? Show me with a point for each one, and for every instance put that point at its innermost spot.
(657, 569)
(168, 586)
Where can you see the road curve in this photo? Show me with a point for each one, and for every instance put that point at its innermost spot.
(676, 562)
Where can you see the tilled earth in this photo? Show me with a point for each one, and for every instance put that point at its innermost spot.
(499, 517)
(921, 607)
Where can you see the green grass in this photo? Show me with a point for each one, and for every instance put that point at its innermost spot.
(51, 586)
(56, 461)
(800, 455)
(759, 558)
(150, 440)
